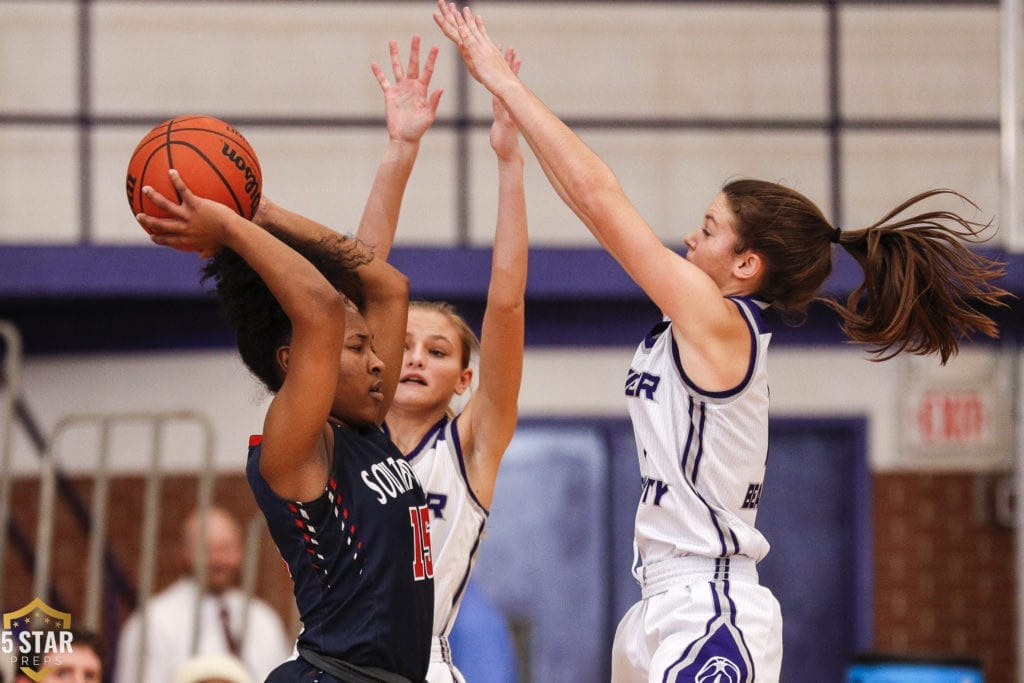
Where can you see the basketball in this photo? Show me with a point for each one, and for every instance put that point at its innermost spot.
(211, 156)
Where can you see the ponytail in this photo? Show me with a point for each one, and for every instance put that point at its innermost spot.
(923, 286)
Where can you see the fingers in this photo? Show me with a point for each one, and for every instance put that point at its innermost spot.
(156, 227)
(428, 68)
(435, 99)
(447, 19)
(513, 60)
(413, 70)
(179, 184)
(414, 58)
(162, 202)
(380, 76)
(396, 60)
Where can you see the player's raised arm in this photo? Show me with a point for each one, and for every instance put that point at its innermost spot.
(681, 290)
(293, 460)
(490, 416)
(410, 110)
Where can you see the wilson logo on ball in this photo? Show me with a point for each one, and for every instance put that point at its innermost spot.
(212, 157)
(252, 179)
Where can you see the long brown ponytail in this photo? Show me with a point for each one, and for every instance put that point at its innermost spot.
(923, 286)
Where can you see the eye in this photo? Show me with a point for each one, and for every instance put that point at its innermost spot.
(437, 353)
(706, 232)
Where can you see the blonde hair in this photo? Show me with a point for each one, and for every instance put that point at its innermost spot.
(467, 339)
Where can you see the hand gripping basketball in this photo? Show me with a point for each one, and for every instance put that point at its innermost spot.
(211, 156)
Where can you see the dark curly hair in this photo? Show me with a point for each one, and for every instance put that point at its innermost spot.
(250, 309)
(922, 284)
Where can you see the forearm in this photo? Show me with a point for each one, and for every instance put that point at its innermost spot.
(502, 332)
(283, 222)
(380, 215)
(577, 174)
(509, 255)
(375, 274)
(386, 312)
(303, 292)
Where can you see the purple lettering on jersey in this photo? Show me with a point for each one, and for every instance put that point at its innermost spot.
(437, 502)
(638, 383)
(659, 488)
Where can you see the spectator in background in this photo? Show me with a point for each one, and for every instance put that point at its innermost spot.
(213, 669)
(84, 664)
(228, 623)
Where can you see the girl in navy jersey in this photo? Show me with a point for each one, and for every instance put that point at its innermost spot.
(320, 320)
(456, 457)
(697, 386)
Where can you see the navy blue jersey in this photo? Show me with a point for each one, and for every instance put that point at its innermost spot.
(359, 555)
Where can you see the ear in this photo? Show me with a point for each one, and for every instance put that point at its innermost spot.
(283, 353)
(464, 381)
(749, 266)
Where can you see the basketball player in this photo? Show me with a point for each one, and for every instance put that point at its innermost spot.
(321, 322)
(457, 457)
(697, 385)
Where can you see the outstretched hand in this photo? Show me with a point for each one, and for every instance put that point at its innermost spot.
(481, 55)
(504, 133)
(408, 108)
(196, 224)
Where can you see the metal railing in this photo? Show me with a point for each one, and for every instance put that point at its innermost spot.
(55, 489)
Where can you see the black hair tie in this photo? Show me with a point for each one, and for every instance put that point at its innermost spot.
(836, 233)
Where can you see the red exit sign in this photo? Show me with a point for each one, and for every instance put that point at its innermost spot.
(953, 417)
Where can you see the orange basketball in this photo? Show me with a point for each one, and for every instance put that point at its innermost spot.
(213, 159)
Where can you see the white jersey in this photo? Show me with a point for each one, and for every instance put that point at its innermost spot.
(702, 454)
(457, 518)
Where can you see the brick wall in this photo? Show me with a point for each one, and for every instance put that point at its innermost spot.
(178, 496)
(944, 578)
(943, 567)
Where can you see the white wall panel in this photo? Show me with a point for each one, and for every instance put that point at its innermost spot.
(255, 58)
(670, 177)
(936, 62)
(327, 176)
(38, 57)
(661, 60)
(882, 170)
(39, 187)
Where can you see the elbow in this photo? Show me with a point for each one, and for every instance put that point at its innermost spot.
(328, 305)
(508, 302)
(392, 285)
(397, 285)
(319, 308)
(594, 192)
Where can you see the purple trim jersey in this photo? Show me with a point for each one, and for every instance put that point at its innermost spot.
(702, 454)
(457, 518)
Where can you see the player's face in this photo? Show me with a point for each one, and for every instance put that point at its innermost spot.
(432, 365)
(711, 247)
(79, 666)
(360, 388)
